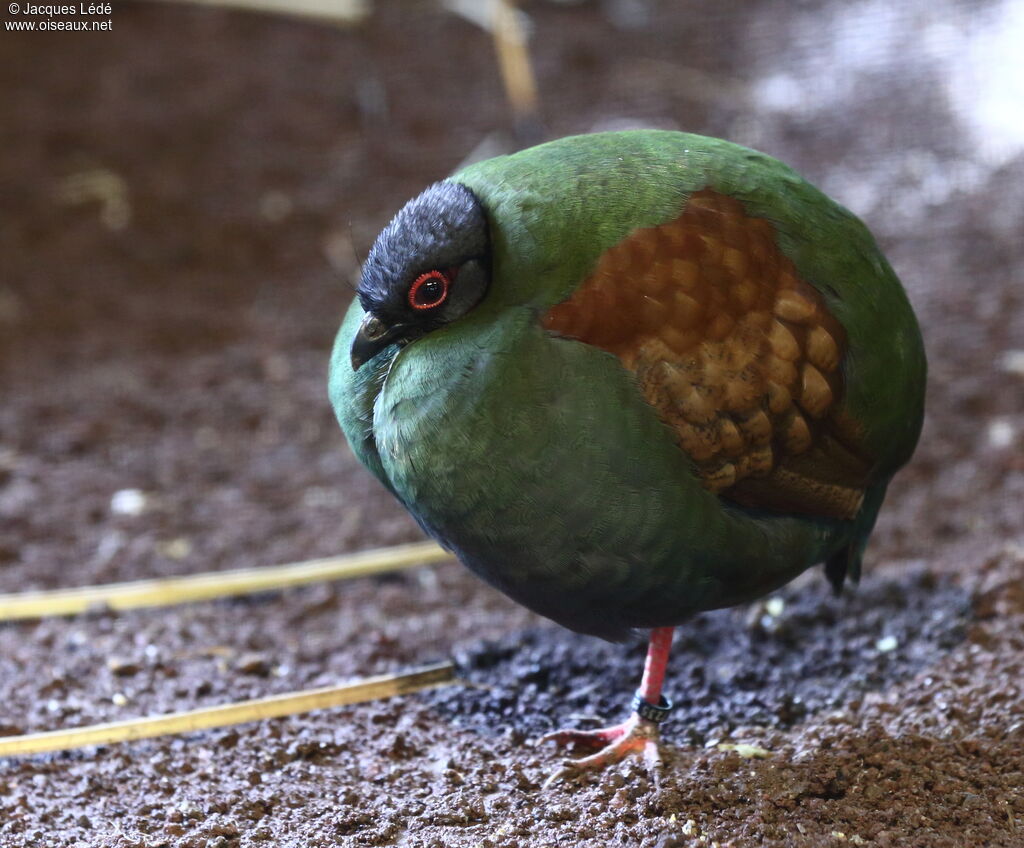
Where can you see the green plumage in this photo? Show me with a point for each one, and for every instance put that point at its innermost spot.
(536, 459)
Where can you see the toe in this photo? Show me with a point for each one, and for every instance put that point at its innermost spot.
(636, 736)
(586, 738)
(565, 771)
(613, 753)
(652, 755)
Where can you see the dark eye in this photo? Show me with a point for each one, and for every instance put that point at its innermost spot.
(429, 290)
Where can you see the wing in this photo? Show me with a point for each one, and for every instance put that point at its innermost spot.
(737, 354)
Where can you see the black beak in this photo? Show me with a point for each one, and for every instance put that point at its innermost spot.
(373, 336)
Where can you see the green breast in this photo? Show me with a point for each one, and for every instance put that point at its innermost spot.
(536, 460)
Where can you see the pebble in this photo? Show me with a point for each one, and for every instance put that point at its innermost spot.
(178, 548)
(1001, 433)
(744, 750)
(1013, 362)
(122, 667)
(253, 663)
(130, 502)
(887, 644)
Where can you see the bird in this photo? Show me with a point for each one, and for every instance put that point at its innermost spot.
(628, 377)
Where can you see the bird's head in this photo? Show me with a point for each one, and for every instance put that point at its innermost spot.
(429, 266)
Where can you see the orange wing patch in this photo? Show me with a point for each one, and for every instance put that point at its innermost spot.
(737, 353)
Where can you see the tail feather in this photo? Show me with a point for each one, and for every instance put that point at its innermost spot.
(845, 563)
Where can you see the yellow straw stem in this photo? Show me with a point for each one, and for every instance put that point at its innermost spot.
(216, 584)
(273, 706)
(514, 59)
(334, 11)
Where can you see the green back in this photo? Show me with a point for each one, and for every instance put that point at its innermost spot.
(558, 206)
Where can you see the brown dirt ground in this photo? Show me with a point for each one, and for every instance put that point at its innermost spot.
(183, 353)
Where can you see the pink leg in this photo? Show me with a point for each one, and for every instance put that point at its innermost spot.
(638, 734)
(658, 649)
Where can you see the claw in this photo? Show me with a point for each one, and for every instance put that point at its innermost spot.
(636, 735)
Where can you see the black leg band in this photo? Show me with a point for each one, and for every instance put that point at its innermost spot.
(652, 712)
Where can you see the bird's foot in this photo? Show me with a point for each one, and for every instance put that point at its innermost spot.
(636, 735)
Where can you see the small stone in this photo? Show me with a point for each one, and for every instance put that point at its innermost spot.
(130, 502)
(886, 644)
(174, 548)
(1001, 433)
(620, 798)
(561, 812)
(1013, 362)
(122, 667)
(744, 750)
(253, 663)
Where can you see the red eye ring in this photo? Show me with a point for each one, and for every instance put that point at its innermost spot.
(430, 290)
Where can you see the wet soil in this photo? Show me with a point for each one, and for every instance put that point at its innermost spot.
(184, 199)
